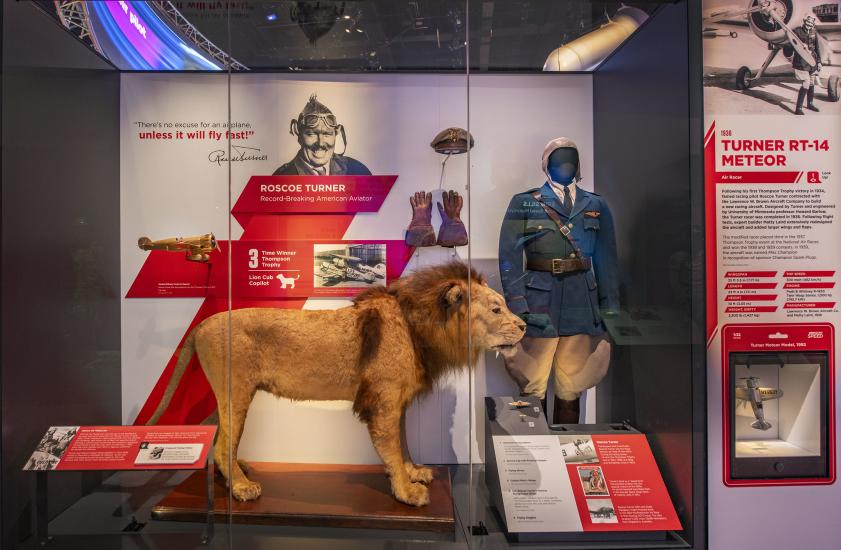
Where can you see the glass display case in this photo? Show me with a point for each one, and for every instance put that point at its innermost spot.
(292, 261)
(772, 430)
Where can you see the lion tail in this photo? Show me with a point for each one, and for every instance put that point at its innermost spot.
(184, 356)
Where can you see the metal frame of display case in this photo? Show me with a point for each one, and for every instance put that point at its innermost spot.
(615, 83)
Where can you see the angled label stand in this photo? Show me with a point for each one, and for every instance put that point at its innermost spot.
(573, 482)
(120, 448)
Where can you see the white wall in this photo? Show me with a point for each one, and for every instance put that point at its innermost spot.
(170, 188)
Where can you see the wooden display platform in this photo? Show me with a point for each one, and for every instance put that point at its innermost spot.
(315, 495)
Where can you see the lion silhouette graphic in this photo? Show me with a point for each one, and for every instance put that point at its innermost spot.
(287, 282)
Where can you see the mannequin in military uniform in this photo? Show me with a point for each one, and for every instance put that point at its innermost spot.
(316, 129)
(558, 266)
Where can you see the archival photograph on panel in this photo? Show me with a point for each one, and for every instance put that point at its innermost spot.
(349, 265)
(601, 510)
(51, 448)
(578, 449)
(770, 57)
(592, 481)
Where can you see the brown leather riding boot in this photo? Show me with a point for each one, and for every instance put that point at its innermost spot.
(566, 412)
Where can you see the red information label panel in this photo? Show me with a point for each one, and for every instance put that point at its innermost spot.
(617, 484)
(301, 269)
(313, 194)
(123, 448)
(269, 269)
(777, 338)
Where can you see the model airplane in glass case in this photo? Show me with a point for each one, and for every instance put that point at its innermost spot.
(752, 393)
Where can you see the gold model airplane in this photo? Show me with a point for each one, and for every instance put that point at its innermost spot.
(198, 248)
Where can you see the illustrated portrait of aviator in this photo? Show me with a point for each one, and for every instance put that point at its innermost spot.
(317, 129)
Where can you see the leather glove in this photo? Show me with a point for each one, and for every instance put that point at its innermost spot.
(452, 232)
(420, 232)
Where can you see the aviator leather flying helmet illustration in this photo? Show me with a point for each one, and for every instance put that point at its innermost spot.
(313, 113)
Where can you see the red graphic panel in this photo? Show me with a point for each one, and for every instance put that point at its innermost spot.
(808, 273)
(751, 309)
(279, 269)
(750, 286)
(625, 479)
(270, 225)
(757, 177)
(123, 448)
(274, 269)
(313, 194)
(774, 337)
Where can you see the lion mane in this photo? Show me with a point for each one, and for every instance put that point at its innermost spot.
(437, 325)
(386, 349)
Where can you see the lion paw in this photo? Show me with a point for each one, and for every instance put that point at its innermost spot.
(246, 490)
(419, 473)
(416, 494)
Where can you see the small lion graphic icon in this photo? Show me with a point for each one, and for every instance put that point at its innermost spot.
(287, 282)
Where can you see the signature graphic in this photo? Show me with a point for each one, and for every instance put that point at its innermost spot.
(238, 153)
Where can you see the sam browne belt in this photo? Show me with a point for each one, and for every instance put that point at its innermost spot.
(558, 266)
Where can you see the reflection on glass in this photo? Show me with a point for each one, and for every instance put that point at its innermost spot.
(366, 35)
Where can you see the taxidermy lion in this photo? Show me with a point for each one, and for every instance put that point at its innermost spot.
(390, 346)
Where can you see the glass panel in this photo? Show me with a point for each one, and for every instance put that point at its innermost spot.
(569, 36)
(767, 425)
(581, 219)
(330, 369)
(319, 227)
(778, 414)
(112, 206)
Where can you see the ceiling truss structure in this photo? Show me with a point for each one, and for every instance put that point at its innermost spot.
(180, 23)
(73, 14)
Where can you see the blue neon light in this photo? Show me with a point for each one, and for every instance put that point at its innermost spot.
(133, 37)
